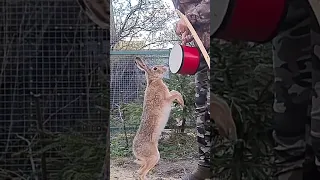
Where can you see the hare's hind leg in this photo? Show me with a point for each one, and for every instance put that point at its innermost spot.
(150, 163)
(142, 164)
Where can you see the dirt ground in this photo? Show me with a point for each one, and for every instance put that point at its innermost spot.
(125, 169)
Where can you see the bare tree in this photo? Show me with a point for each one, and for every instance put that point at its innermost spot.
(149, 21)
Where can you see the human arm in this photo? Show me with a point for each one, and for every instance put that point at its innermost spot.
(198, 13)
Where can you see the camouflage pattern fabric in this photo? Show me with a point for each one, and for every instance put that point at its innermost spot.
(315, 110)
(297, 75)
(198, 13)
(204, 129)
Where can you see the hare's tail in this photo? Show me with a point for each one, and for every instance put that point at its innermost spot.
(220, 112)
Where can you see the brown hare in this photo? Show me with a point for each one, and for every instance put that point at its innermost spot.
(156, 110)
(220, 112)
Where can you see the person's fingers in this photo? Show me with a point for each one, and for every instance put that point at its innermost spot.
(188, 38)
(184, 35)
(184, 38)
(178, 29)
(181, 27)
(183, 31)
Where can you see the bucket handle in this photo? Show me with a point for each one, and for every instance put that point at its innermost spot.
(196, 37)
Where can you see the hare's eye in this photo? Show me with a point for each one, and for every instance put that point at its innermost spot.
(155, 68)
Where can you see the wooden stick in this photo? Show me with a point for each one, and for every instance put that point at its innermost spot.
(315, 5)
(196, 37)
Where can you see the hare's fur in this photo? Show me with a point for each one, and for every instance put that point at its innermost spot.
(220, 112)
(156, 111)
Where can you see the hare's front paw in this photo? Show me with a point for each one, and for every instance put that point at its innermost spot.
(177, 96)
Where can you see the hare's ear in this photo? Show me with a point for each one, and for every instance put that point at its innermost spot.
(140, 64)
(220, 112)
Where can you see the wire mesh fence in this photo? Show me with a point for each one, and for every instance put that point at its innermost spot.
(127, 82)
(53, 68)
(126, 78)
(127, 91)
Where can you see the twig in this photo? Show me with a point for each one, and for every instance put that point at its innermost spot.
(14, 173)
(30, 156)
(122, 119)
(12, 112)
(51, 115)
(42, 136)
(88, 84)
(133, 10)
(5, 62)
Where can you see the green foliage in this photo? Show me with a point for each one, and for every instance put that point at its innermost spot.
(242, 74)
(80, 157)
(132, 113)
(178, 145)
(118, 146)
(185, 85)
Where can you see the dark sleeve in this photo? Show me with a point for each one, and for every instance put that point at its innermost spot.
(98, 11)
(176, 4)
(198, 13)
(194, 8)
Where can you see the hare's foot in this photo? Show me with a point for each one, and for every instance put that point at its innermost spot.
(150, 163)
(141, 169)
(175, 95)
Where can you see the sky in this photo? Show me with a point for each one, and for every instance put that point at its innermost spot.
(169, 2)
(170, 5)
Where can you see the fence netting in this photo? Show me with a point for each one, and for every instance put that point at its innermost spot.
(52, 78)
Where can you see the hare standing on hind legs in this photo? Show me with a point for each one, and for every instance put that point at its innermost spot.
(156, 110)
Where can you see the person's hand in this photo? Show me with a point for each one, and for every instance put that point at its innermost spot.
(183, 31)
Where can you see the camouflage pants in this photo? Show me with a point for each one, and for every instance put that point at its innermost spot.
(204, 130)
(296, 56)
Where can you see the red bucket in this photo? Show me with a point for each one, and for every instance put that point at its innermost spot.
(184, 60)
(248, 20)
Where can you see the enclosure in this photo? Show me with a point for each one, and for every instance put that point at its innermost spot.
(146, 29)
(52, 85)
(127, 90)
(55, 94)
